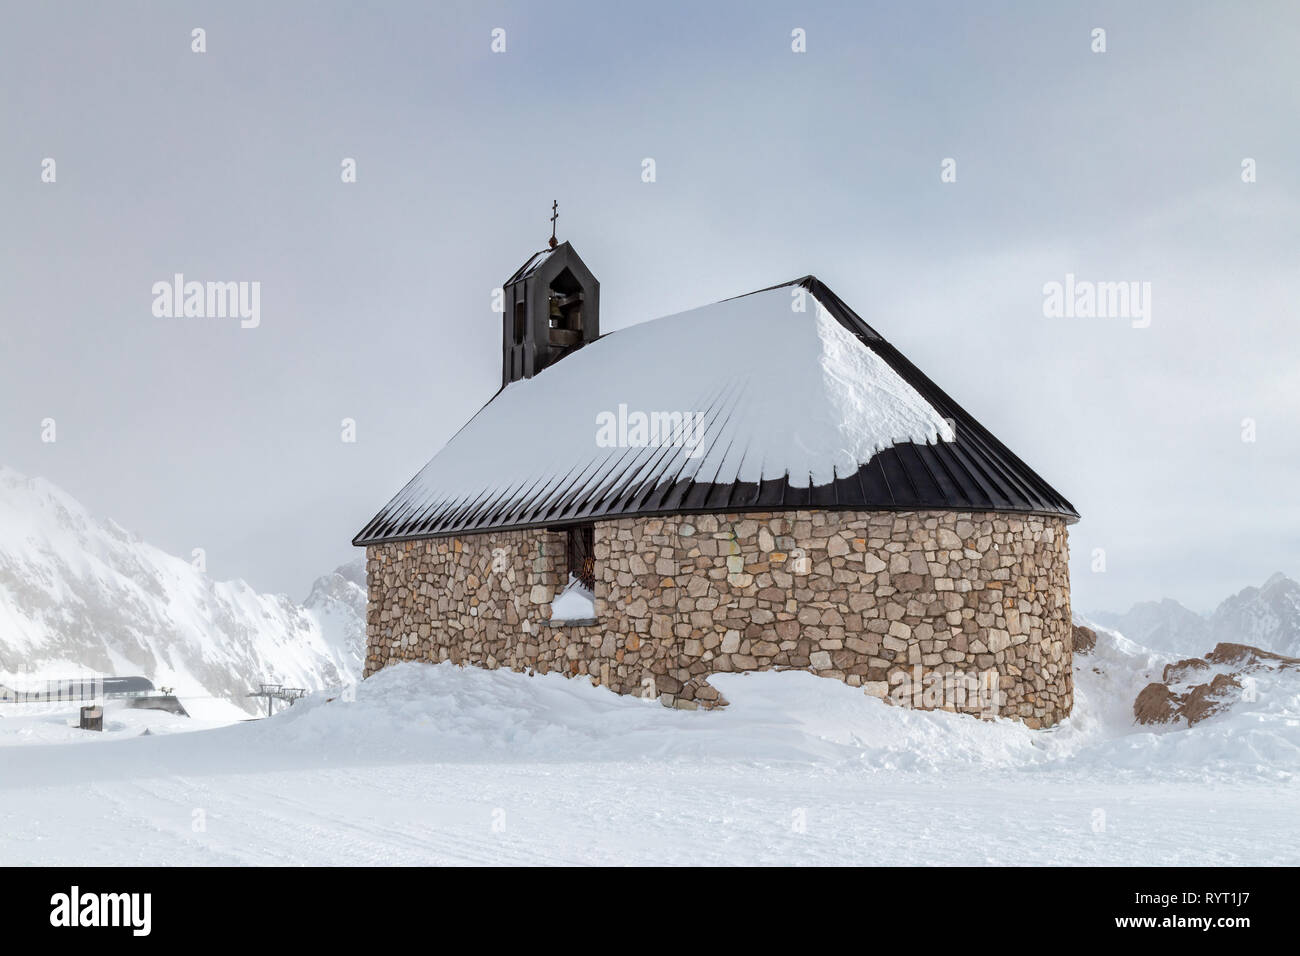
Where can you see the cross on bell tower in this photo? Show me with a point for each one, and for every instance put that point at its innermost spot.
(555, 214)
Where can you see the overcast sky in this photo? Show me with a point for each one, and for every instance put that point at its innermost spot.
(376, 295)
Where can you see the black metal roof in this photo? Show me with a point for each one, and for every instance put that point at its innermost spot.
(128, 685)
(973, 472)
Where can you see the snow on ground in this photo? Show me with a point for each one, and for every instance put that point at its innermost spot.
(439, 764)
(204, 708)
(1259, 737)
(56, 723)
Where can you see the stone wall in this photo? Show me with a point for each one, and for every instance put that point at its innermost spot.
(913, 606)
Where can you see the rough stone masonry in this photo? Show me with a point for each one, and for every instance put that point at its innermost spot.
(872, 599)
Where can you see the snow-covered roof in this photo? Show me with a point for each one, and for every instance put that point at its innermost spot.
(530, 265)
(784, 398)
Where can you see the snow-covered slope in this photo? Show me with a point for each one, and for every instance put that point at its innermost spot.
(1253, 730)
(338, 603)
(1266, 617)
(445, 713)
(1107, 679)
(433, 764)
(78, 593)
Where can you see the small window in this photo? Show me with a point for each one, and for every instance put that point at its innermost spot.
(575, 601)
(582, 554)
(521, 320)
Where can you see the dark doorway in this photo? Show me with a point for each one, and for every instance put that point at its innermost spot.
(582, 554)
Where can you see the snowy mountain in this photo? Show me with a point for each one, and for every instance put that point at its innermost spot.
(338, 602)
(1164, 626)
(1267, 617)
(78, 593)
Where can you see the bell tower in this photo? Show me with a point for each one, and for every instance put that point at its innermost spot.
(552, 308)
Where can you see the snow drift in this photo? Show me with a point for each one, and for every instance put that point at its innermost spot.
(427, 764)
(441, 712)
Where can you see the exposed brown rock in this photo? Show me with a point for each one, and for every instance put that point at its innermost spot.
(1178, 672)
(1205, 700)
(1246, 655)
(1156, 704)
(1084, 639)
